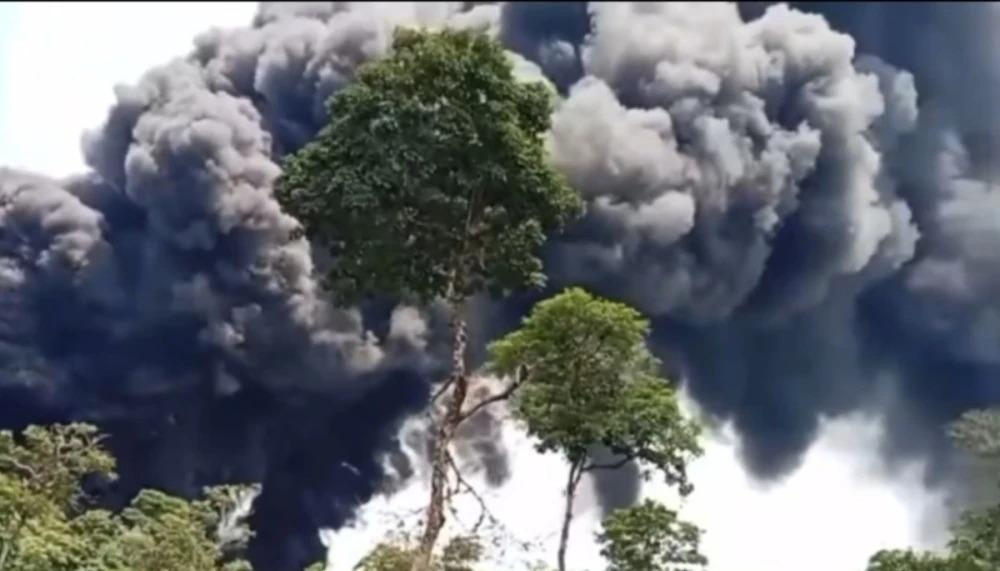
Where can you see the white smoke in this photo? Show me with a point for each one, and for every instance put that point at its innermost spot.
(832, 514)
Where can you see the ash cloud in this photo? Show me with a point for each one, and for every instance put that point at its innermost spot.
(737, 194)
(801, 202)
(934, 322)
(808, 231)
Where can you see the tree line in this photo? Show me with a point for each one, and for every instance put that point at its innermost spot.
(431, 184)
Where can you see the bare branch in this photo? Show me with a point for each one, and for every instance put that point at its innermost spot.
(612, 466)
(484, 510)
(503, 395)
(490, 400)
(444, 387)
(509, 539)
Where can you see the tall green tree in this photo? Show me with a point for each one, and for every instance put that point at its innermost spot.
(587, 379)
(431, 181)
(47, 524)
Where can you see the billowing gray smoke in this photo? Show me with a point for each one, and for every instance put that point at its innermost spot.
(734, 172)
(809, 236)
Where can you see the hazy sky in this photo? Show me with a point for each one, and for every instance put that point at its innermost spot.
(60, 61)
(58, 65)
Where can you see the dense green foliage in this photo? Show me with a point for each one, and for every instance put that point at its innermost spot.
(912, 561)
(47, 524)
(459, 554)
(649, 537)
(587, 380)
(590, 380)
(431, 178)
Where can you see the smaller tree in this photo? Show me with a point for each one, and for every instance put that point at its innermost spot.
(459, 554)
(589, 380)
(649, 537)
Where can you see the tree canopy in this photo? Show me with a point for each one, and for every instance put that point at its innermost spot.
(431, 177)
(587, 379)
(649, 537)
(48, 523)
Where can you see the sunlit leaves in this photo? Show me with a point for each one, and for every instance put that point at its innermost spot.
(459, 554)
(649, 537)
(45, 524)
(979, 431)
(590, 380)
(431, 178)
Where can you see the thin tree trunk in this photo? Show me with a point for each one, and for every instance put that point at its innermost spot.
(575, 473)
(444, 434)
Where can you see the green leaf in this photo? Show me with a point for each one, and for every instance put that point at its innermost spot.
(431, 178)
(591, 381)
(649, 537)
(45, 524)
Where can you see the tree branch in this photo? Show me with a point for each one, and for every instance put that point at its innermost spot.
(503, 395)
(612, 466)
(444, 387)
(27, 470)
(493, 399)
(462, 482)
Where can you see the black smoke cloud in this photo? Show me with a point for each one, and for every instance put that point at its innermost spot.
(934, 324)
(810, 226)
(807, 214)
(734, 173)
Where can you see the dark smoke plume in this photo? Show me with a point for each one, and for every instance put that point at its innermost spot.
(807, 215)
(935, 324)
